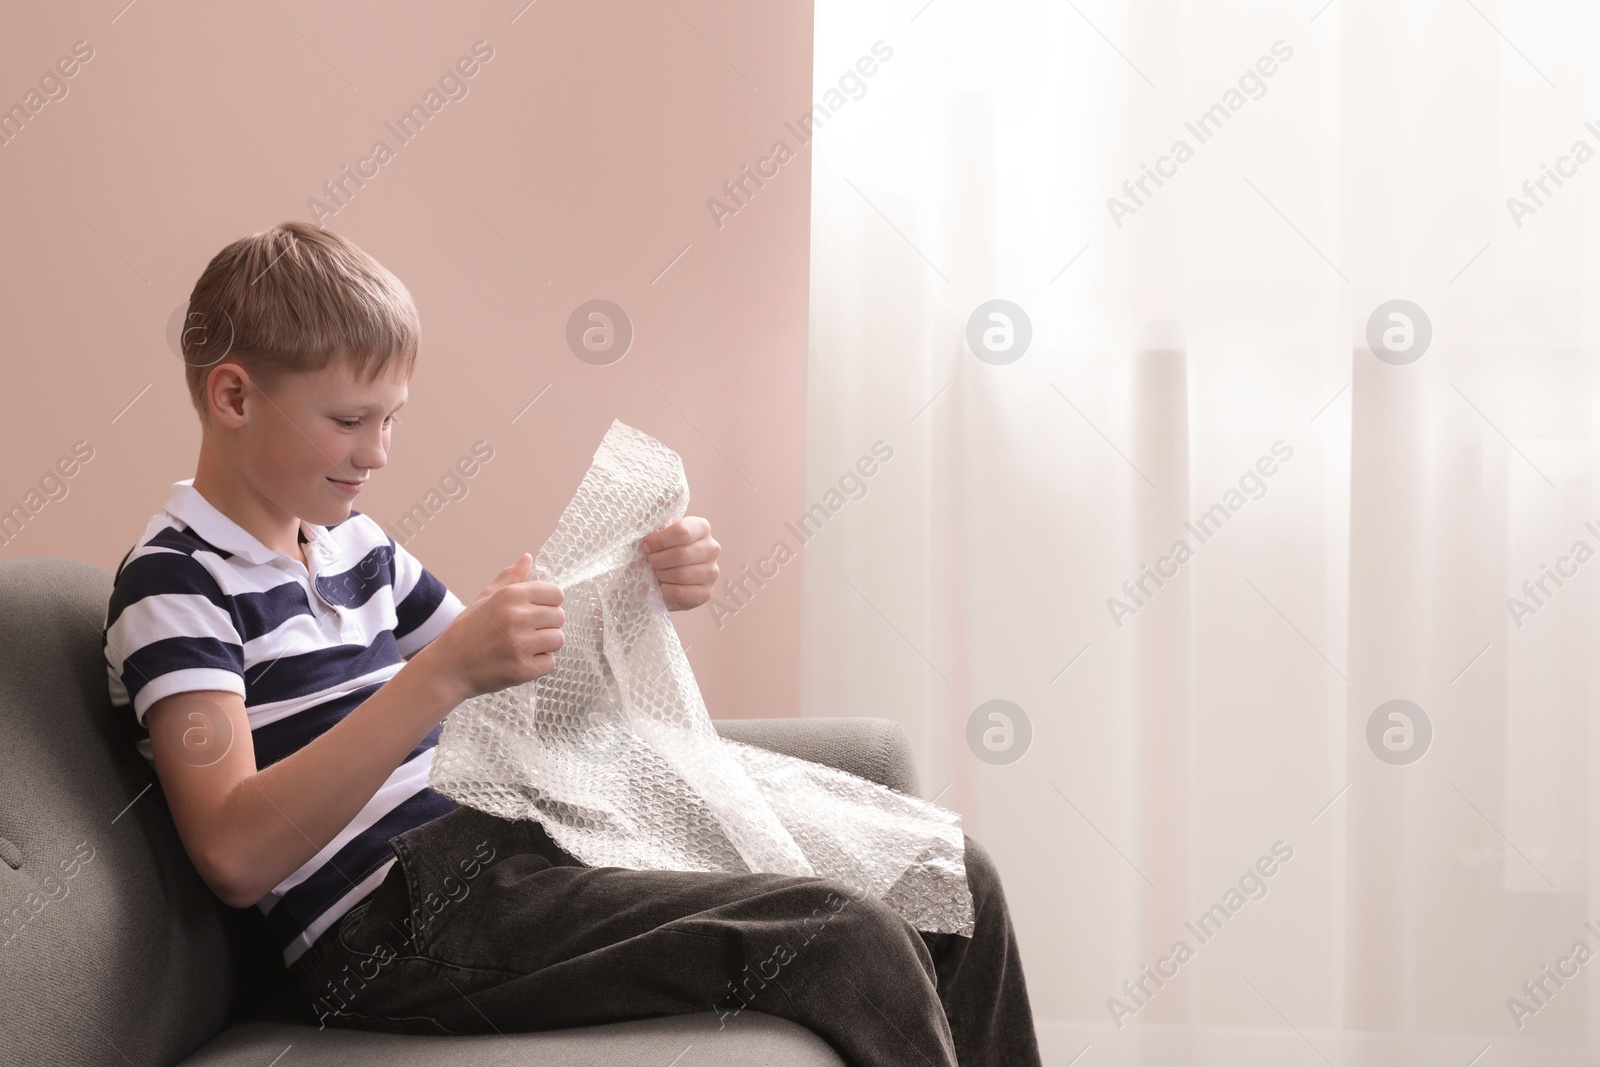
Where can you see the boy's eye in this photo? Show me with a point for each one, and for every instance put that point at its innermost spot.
(351, 424)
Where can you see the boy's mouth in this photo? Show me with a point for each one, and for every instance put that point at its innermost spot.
(349, 487)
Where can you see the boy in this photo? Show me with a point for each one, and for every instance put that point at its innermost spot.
(292, 666)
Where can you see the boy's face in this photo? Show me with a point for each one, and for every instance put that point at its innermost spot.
(310, 441)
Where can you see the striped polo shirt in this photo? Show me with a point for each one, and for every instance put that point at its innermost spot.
(199, 604)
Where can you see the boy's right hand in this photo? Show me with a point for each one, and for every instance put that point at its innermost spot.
(506, 637)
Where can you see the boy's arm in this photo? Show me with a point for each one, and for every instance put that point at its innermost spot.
(246, 830)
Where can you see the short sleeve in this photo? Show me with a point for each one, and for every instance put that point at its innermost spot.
(169, 629)
(423, 606)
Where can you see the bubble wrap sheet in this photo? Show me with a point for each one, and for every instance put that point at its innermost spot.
(615, 753)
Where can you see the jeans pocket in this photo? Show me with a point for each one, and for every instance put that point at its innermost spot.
(357, 965)
(348, 929)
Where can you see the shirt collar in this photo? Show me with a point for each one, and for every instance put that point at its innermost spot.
(195, 511)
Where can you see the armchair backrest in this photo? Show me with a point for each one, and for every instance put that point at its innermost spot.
(112, 949)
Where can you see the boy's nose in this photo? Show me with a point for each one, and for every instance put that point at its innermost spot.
(370, 455)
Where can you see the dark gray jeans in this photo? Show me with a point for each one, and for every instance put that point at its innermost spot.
(486, 924)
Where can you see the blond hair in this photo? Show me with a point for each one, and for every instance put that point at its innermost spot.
(291, 300)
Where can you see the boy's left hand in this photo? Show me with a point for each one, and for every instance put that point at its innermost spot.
(684, 557)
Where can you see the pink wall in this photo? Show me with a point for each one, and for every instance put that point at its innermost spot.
(577, 166)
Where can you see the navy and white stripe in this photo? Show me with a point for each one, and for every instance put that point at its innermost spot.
(199, 603)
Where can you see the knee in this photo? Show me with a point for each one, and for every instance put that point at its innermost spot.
(831, 904)
(836, 903)
(858, 919)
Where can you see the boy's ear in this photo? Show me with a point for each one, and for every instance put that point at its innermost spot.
(226, 384)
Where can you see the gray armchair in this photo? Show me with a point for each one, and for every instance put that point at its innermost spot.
(113, 951)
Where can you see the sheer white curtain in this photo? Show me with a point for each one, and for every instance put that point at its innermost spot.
(1356, 528)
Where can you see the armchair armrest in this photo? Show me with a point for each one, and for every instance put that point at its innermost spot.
(873, 748)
